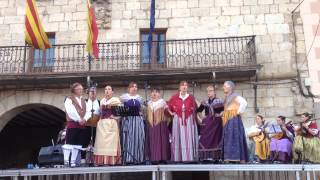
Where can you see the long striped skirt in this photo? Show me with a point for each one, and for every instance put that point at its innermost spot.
(133, 139)
(234, 144)
(184, 140)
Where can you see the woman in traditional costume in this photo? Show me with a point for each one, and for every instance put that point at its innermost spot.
(281, 142)
(107, 149)
(234, 145)
(210, 127)
(307, 142)
(157, 132)
(133, 128)
(260, 142)
(184, 136)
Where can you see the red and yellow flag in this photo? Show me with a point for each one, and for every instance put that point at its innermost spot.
(91, 45)
(34, 32)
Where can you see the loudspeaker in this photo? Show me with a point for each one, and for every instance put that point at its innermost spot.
(51, 155)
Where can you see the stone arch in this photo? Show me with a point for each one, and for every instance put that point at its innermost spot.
(20, 101)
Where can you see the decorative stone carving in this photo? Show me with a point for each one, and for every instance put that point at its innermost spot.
(103, 13)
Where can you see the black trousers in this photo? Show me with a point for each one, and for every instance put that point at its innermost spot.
(77, 136)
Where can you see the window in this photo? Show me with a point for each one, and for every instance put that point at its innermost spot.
(45, 58)
(158, 50)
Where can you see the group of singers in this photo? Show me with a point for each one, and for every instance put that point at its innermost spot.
(174, 131)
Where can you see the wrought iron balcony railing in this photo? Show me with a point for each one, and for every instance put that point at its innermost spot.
(231, 52)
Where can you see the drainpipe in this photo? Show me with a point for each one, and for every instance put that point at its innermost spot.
(255, 88)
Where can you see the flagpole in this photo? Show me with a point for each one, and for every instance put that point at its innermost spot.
(151, 30)
(89, 70)
(89, 84)
(90, 59)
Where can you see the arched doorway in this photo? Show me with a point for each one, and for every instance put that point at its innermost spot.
(31, 127)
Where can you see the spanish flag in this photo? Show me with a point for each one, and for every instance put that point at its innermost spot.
(34, 32)
(91, 45)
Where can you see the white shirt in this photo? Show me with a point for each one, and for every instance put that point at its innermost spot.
(71, 110)
(242, 104)
(127, 96)
(183, 97)
(96, 109)
(253, 129)
(154, 105)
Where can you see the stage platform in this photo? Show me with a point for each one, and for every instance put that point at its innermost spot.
(159, 171)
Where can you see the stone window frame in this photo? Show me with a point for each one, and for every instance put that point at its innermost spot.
(153, 63)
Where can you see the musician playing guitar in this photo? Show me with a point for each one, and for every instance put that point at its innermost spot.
(307, 141)
(92, 116)
(281, 143)
(259, 149)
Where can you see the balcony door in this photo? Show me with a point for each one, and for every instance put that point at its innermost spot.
(43, 60)
(157, 58)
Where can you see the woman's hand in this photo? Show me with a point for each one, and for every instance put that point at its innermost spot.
(284, 128)
(305, 125)
(82, 122)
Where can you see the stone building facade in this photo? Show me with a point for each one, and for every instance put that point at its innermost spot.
(278, 49)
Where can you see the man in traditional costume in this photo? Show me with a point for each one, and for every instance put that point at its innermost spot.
(92, 115)
(184, 136)
(107, 149)
(210, 127)
(234, 145)
(75, 106)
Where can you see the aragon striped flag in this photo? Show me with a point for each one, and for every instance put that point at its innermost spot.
(91, 45)
(34, 32)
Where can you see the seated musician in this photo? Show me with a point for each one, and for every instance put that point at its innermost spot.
(281, 142)
(307, 142)
(259, 149)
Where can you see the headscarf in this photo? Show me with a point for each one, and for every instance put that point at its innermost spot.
(231, 95)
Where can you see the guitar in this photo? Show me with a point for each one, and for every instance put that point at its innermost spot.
(274, 130)
(262, 135)
(259, 138)
(280, 133)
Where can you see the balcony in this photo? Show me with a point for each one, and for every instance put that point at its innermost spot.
(119, 60)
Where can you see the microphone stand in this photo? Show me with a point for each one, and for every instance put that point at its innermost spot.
(90, 147)
(145, 114)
